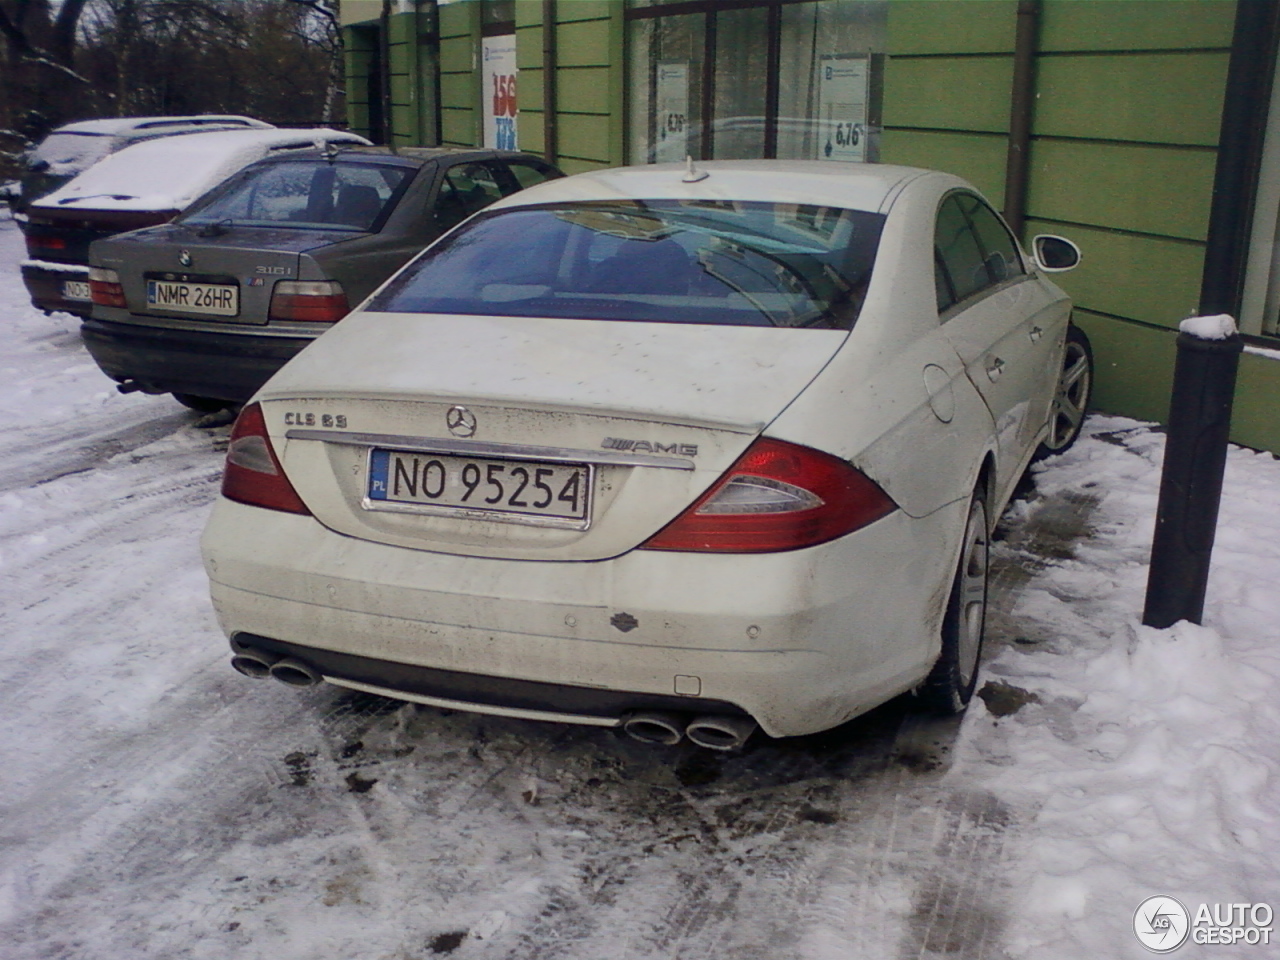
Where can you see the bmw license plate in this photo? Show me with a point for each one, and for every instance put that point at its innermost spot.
(75, 290)
(217, 299)
(520, 491)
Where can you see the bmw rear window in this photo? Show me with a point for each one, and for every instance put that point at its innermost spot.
(675, 261)
(305, 193)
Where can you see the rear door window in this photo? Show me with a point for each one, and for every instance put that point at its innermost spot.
(973, 250)
(465, 189)
(528, 173)
(958, 260)
(1000, 252)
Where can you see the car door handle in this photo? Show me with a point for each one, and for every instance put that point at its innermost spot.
(1035, 334)
(994, 369)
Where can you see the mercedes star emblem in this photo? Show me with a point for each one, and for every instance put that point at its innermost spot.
(184, 257)
(460, 421)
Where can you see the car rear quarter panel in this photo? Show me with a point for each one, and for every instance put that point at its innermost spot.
(922, 437)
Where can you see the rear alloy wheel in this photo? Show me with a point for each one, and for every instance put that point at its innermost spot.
(950, 686)
(1071, 397)
(201, 404)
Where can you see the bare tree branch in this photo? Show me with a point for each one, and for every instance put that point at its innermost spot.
(39, 57)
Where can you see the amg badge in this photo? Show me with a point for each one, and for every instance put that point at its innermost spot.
(644, 446)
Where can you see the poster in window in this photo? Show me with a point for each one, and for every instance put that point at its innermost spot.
(842, 107)
(671, 120)
(499, 90)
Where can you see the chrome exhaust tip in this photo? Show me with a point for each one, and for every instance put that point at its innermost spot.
(655, 727)
(295, 673)
(253, 663)
(720, 732)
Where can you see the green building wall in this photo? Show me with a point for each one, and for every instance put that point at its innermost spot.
(1127, 105)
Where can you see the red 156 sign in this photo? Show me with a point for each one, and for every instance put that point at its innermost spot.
(504, 95)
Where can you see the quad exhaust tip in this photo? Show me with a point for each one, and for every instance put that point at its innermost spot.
(258, 664)
(295, 673)
(253, 663)
(714, 732)
(720, 732)
(655, 727)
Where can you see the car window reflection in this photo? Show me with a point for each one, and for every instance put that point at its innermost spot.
(753, 264)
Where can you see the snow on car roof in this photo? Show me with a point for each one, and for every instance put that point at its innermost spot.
(855, 186)
(169, 173)
(109, 126)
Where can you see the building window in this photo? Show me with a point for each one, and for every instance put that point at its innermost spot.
(792, 79)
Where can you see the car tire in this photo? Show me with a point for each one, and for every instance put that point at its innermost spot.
(950, 685)
(201, 404)
(1071, 395)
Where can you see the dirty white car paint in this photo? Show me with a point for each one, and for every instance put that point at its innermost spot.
(924, 409)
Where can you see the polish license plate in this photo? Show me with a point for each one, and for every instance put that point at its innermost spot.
(75, 290)
(522, 491)
(217, 299)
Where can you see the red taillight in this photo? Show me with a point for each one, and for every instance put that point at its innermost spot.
(313, 301)
(778, 496)
(37, 243)
(105, 289)
(253, 474)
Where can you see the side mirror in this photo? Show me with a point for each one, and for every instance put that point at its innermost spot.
(1054, 254)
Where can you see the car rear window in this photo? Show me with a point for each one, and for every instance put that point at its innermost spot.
(69, 153)
(674, 261)
(305, 193)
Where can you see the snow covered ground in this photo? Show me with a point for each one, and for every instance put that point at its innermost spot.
(155, 804)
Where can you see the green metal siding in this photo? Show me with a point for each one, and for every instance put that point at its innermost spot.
(924, 27)
(1134, 366)
(979, 158)
(460, 116)
(1172, 98)
(588, 81)
(941, 92)
(1253, 416)
(1156, 190)
(1090, 25)
(947, 82)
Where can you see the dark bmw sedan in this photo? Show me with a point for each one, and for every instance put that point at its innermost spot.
(209, 306)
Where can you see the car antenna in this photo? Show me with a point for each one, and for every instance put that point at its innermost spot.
(691, 173)
(329, 151)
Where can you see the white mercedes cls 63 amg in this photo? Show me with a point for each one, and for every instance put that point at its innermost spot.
(684, 450)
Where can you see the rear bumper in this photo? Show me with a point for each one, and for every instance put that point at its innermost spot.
(800, 641)
(223, 365)
(46, 286)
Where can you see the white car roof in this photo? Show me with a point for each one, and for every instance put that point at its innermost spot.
(854, 186)
(113, 125)
(169, 173)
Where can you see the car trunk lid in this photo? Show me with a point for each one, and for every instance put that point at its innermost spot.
(638, 418)
(239, 264)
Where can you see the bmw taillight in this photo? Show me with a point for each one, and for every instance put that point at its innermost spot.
(313, 301)
(105, 288)
(253, 475)
(38, 244)
(777, 496)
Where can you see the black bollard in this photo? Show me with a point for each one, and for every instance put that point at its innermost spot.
(1195, 459)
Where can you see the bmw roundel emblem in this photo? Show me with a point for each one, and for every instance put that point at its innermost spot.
(184, 257)
(460, 421)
